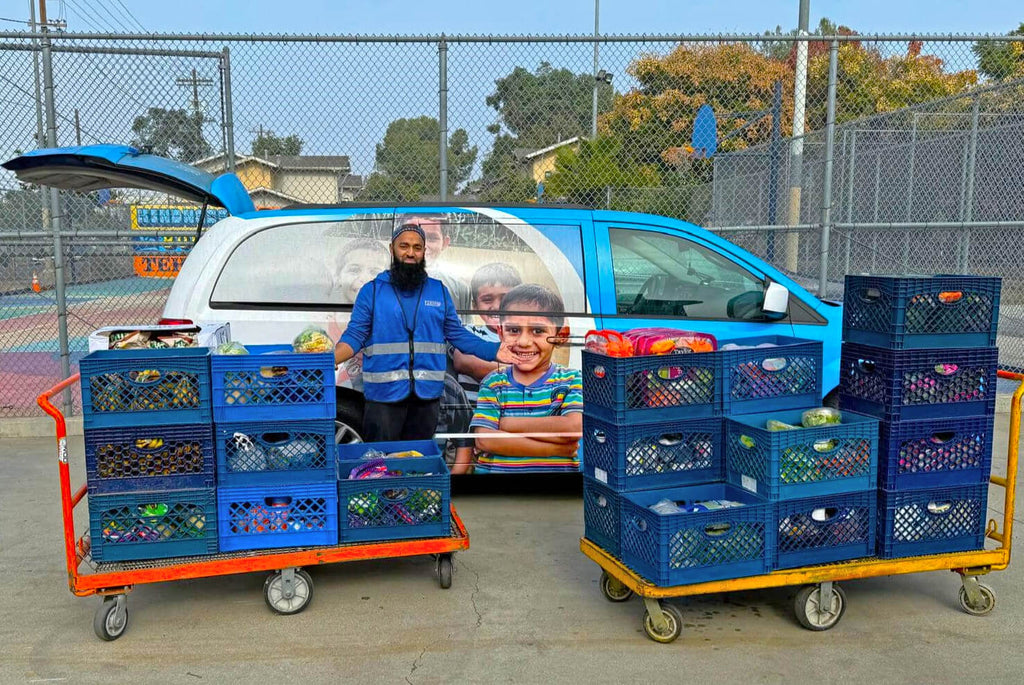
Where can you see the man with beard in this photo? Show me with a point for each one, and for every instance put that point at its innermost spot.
(401, 321)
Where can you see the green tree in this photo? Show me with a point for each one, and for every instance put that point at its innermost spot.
(267, 143)
(1000, 60)
(504, 178)
(408, 161)
(171, 133)
(543, 107)
(584, 176)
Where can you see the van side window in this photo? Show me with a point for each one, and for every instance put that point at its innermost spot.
(658, 275)
(322, 263)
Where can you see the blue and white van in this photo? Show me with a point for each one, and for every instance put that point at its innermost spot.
(272, 273)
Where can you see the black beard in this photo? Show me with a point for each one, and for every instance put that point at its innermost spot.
(408, 277)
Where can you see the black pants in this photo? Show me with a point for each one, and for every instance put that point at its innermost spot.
(410, 419)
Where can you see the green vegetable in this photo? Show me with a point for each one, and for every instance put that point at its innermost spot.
(821, 416)
(230, 348)
(773, 425)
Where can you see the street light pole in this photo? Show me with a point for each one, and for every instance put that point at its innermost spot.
(796, 149)
(593, 111)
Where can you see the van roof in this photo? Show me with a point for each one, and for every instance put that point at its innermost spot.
(459, 204)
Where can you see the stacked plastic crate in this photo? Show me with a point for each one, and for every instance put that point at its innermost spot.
(919, 354)
(149, 453)
(412, 501)
(273, 411)
(655, 428)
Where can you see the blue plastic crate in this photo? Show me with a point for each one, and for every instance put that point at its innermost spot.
(912, 385)
(934, 521)
(822, 530)
(802, 462)
(652, 455)
(935, 453)
(914, 312)
(601, 512)
(149, 458)
(651, 388)
(414, 505)
(686, 548)
(787, 376)
(152, 525)
(274, 516)
(269, 452)
(145, 387)
(356, 451)
(272, 383)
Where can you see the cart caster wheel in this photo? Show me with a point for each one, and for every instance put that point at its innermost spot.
(284, 597)
(981, 608)
(111, 619)
(815, 614)
(613, 589)
(444, 571)
(673, 628)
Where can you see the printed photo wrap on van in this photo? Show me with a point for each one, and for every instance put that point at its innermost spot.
(479, 255)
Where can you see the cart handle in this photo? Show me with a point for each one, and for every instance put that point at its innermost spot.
(67, 500)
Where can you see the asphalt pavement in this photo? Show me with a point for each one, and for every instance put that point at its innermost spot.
(524, 608)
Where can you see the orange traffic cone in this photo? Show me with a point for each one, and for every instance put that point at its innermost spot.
(35, 283)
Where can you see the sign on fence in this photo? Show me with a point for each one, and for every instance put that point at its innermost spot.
(161, 255)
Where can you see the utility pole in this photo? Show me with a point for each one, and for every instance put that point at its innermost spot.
(194, 81)
(796, 150)
(78, 129)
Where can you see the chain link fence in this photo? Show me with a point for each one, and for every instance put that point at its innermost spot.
(917, 173)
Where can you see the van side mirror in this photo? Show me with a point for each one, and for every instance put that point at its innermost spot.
(776, 301)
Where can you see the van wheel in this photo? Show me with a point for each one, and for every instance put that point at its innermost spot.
(346, 426)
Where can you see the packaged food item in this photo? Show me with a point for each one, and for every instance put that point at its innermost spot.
(821, 416)
(140, 337)
(656, 340)
(230, 348)
(406, 453)
(611, 343)
(313, 339)
(773, 425)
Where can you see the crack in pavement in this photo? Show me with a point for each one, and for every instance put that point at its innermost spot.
(476, 591)
(417, 660)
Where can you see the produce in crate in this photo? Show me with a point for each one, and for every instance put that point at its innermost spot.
(231, 347)
(150, 340)
(821, 416)
(313, 339)
(656, 340)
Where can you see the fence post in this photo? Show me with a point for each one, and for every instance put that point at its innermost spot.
(229, 118)
(774, 152)
(442, 114)
(972, 158)
(56, 221)
(849, 197)
(830, 143)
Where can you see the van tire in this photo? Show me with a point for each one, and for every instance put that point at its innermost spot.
(348, 420)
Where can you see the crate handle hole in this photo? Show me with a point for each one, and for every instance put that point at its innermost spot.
(276, 438)
(277, 501)
(943, 437)
(670, 439)
(947, 369)
(774, 364)
(747, 442)
(599, 371)
(951, 297)
(825, 445)
(866, 365)
(397, 495)
(273, 372)
(870, 295)
(639, 523)
(939, 508)
(717, 530)
(145, 376)
(823, 514)
(602, 501)
(599, 436)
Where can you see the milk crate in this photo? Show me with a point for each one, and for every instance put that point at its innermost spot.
(275, 516)
(267, 452)
(801, 462)
(272, 383)
(917, 384)
(933, 521)
(134, 526)
(758, 379)
(914, 312)
(601, 509)
(149, 458)
(939, 452)
(822, 530)
(122, 388)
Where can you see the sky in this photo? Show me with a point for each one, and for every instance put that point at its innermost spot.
(523, 16)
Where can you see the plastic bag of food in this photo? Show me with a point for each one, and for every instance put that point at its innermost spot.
(608, 342)
(313, 339)
(772, 425)
(655, 340)
(230, 348)
(821, 416)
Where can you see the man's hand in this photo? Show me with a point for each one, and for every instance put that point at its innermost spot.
(506, 355)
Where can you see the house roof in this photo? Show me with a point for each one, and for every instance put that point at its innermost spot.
(350, 181)
(552, 148)
(308, 162)
(284, 197)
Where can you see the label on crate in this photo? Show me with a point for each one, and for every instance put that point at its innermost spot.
(601, 475)
(748, 483)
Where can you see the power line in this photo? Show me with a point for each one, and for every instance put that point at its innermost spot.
(87, 19)
(129, 12)
(113, 16)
